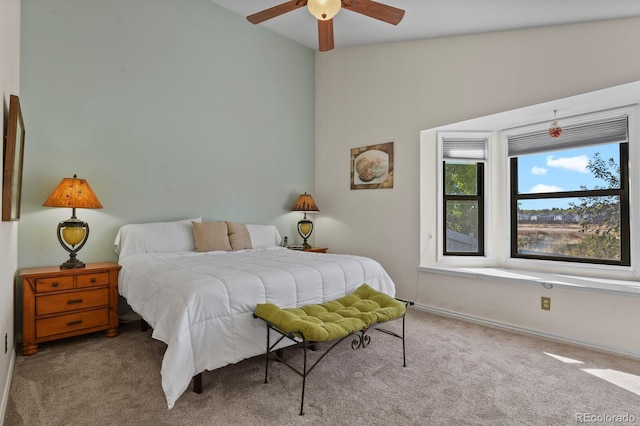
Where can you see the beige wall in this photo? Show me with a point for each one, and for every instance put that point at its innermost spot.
(9, 85)
(375, 94)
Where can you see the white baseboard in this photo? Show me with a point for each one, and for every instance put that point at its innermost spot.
(7, 387)
(524, 330)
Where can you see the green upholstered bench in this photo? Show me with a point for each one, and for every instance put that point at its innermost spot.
(353, 314)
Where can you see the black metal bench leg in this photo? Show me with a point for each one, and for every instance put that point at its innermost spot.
(197, 383)
(304, 377)
(266, 369)
(404, 356)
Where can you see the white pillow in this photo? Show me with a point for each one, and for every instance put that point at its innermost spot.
(263, 236)
(155, 237)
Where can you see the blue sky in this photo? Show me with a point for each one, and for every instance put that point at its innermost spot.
(560, 171)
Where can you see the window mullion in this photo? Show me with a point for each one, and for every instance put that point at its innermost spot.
(571, 194)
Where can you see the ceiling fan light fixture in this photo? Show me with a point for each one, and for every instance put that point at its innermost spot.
(324, 9)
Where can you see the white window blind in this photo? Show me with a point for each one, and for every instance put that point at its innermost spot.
(610, 130)
(461, 148)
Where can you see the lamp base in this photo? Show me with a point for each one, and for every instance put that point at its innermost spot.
(305, 228)
(72, 235)
(72, 263)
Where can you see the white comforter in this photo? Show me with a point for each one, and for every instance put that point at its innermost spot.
(201, 304)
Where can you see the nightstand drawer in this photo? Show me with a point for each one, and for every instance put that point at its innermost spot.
(44, 285)
(92, 280)
(71, 322)
(72, 301)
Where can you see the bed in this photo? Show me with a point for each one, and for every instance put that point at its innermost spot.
(199, 296)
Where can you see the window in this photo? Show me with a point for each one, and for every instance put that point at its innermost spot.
(569, 196)
(463, 187)
(568, 206)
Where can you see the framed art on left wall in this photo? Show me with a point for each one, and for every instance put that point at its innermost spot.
(13, 160)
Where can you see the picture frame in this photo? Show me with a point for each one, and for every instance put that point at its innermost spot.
(13, 162)
(372, 166)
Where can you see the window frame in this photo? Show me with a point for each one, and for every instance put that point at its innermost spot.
(478, 197)
(484, 223)
(622, 192)
(603, 271)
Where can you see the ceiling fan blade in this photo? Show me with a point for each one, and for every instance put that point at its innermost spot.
(325, 35)
(274, 11)
(372, 9)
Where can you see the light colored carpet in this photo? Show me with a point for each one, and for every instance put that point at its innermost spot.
(457, 373)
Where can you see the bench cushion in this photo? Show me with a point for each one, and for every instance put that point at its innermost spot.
(334, 319)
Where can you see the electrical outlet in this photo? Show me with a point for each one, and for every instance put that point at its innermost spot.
(545, 303)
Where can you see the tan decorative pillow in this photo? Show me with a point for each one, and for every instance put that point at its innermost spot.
(239, 236)
(211, 236)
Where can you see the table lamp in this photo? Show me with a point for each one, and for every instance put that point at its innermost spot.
(73, 233)
(305, 204)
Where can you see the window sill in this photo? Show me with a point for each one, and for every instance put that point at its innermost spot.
(598, 285)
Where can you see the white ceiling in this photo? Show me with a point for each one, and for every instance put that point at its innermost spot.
(436, 18)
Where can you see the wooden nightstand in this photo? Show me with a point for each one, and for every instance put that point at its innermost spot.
(59, 303)
(312, 249)
(317, 249)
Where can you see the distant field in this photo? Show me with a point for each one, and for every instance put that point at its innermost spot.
(549, 228)
(565, 228)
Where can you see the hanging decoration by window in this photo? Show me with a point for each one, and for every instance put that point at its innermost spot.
(555, 131)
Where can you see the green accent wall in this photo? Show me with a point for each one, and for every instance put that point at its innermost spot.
(169, 108)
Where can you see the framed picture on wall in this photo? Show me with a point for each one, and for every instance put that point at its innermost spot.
(372, 166)
(13, 158)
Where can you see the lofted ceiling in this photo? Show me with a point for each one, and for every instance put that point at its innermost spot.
(436, 18)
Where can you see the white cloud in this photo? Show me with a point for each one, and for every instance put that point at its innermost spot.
(576, 164)
(538, 171)
(545, 188)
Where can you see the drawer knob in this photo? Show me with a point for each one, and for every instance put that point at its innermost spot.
(93, 279)
(74, 322)
(74, 301)
(55, 284)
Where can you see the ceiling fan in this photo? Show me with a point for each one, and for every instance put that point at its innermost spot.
(325, 10)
